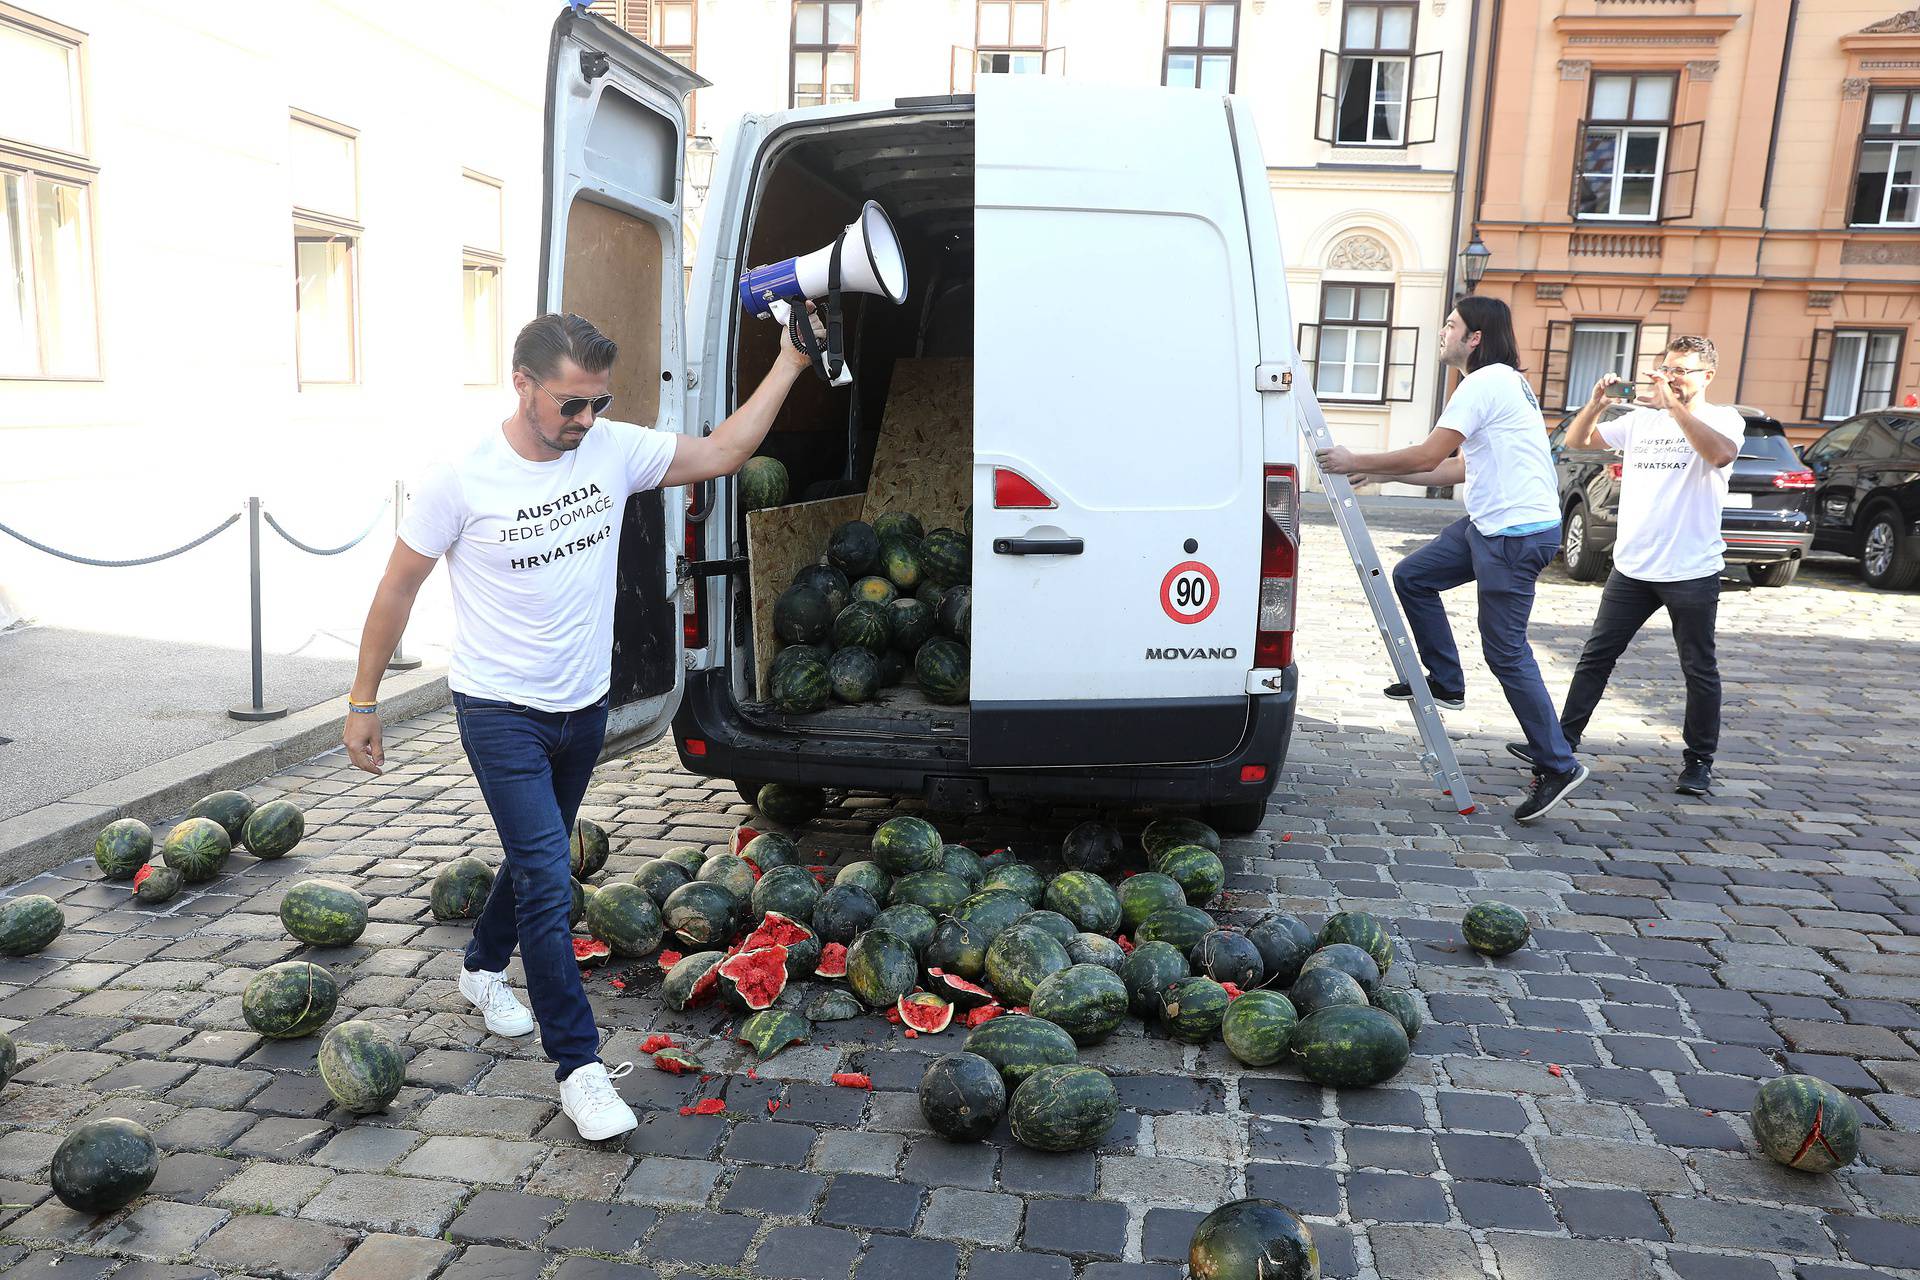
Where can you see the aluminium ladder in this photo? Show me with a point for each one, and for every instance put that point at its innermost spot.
(1437, 758)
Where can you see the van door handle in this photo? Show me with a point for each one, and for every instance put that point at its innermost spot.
(1038, 546)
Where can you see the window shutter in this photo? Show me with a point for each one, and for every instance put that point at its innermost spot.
(1579, 163)
(1818, 365)
(1553, 369)
(1326, 112)
(1308, 345)
(1682, 181)
(1653, 345)
(1403, 357)
(962, 63)
(1423, 103)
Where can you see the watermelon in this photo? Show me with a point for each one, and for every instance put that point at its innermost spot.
(1324, 988)
(1350, 1046)
(122, 848)
(1253, 1240)
(1403, 1005)
(752, 980)
(1086, 900)
(910, 623)
(104, 1165)
(1017, 877)
(588, 848)
(361, 1066)
(197, 849)
(899, 524)
(843, 912)
(801, 943)
(962, 1096)
(289, 999)
(578, 910)
(903, 846)
(324, 913)
(1495, 929)
(1284, 943)
(1087, 1001)
(994, 909)
(1063, 1108)
(854, 549)
(1094, 948)
(790, 891)
(1052, 923)
(1142, 895)
(802, 615)
(1192, 1008)
(1361, 929)
(790, 805)
(1182, 926)
(946, 558)
(833, 960)
(900, 561)
(924, 1013)
(1091, 846)
(910, 922)
(937, 891)
(699, 914)
(881, 968)
(733, 874)
(1163, 834)
(1805, 1123)
(626, 918)
(876, 591)
(893, 668)
(1350, 960)
(9, 1059)
(957, 990)
(768, 850)
(590, 951)
(230, 809)
(854, 675)
(156, 883)
(274, 829)
(1257, 1026)
(1198, 871)
(690, 858)
(959, 946)
(868, 876)
(931, 594)
(661, 877)
(29, 923)
(959, 861)
(1019, 959)
(833, 1005)
(771, 1030)
(763, 483)
(941, 668)
(955, 614)
(828, 582)
(794, 655)
(691, 981)
(863, 624)
(1018, 1045)
(1228, 956)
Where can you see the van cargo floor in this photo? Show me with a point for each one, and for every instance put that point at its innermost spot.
(901, 708)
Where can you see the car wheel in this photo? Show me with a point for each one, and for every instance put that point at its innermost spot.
(1777, 574)
(749, 790)
(1237, 819)
(1583, 562)
(1887, 555)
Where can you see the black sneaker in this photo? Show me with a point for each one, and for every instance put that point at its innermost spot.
(1403, 692)
(1695, 780)
(1548, 790)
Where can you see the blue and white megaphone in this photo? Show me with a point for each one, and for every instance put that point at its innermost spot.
(864, 258)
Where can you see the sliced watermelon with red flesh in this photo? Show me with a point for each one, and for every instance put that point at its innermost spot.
(590, 951)
(140, 876)
(776, 931)
(925, 1012)
(958, 990)
(753, 980)
(742, 837)
(985, 1013)
(833, 961)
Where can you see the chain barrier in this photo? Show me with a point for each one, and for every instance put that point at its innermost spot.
(329, 551)
(218, 529)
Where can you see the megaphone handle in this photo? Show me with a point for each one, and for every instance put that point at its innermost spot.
(836, 361)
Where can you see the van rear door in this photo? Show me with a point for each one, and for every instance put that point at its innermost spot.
(1117, 429)
(610, 250)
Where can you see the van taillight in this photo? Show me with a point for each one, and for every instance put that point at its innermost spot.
(1013, 491)
(693, 624)
(1793, 480)
(1279, 566)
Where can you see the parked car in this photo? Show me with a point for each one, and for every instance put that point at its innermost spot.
(1866, 494)
(1767, 520)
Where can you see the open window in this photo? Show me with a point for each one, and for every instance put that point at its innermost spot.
(1354, 353)
(1632, 163)
(1851, 371)
(1375, 90)
(1886, 184)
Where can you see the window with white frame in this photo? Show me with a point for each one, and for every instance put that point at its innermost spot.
(481, 265)
(1623, 146)
(324, 171)
(1861, 371)
(1201, 39)
(1376, 62)
(48, 312)
(1886, 189)
(1595, 351)
(1010, 37)
(1352, 354)
(826, 52)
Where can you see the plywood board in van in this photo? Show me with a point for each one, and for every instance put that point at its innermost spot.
(780, 542)
(923, 462)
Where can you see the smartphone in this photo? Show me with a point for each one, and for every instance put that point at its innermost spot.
(1623, 390)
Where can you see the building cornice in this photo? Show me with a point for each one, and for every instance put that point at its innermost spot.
(1696, 29)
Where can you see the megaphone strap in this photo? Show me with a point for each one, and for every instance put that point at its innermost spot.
(830, 359)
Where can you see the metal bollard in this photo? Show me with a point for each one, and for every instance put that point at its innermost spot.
(400, 660)
(258, 710)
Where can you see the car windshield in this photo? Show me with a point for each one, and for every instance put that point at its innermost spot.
(1768, 446)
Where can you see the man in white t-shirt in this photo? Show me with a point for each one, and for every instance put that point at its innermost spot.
(1511, 532)
(529, 522)
(1676, 455)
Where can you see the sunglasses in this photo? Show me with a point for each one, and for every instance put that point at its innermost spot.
(1673, 372)
(572, 405)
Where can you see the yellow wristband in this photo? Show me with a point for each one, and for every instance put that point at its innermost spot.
(352, 703)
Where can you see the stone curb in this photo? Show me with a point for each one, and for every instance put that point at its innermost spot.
(45, 837)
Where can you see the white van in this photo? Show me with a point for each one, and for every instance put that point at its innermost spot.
(1106, 264)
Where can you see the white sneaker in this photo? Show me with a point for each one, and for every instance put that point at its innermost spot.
(589, 1100)
(506, 1016)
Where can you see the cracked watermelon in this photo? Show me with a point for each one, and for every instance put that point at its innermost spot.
(700, 913)
(1086, 1001)
(289, 1000)
(691, 981)
(197, 849)
(274, 829)
(801, 943)
(962, 1096)
(1805, 1123)
(588, 848)
(104, 1165)
(752, 980)
(156, 883)
(924, 1013)
(771, 1030)
(122, 848)
(324, 913)
(361, 1066)
(1063, 1108)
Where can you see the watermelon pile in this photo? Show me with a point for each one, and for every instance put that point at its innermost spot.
(889, 603)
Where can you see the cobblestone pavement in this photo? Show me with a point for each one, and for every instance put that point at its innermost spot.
(1577, 1110)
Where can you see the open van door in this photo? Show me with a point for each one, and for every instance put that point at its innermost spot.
(610, 250)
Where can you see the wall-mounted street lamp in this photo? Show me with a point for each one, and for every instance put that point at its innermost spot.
(1473, 262)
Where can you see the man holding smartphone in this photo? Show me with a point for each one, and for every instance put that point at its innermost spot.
(1677, 453)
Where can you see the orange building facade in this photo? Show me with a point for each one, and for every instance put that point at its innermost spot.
(1744, 169)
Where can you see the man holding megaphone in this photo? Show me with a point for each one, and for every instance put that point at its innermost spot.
(529, 521)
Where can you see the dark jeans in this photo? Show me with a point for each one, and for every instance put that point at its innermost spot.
(533, 767)
(1506, 570)
(1692, 607)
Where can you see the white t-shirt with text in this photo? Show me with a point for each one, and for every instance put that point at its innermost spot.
(532, 549)
(1510, 480)
(1670, 498)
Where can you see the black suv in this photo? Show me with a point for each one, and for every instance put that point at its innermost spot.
(1767, 521)
(1866, 496)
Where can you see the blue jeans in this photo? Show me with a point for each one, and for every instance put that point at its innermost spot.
(533, 767)
(1506, 570)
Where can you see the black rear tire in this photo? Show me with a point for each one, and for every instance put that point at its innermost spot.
(749, 791)
(1777, 574)
(1584, 562)
(1236, 819)
(1889, 559)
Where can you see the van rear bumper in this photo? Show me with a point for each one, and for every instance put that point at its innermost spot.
(732, 747)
